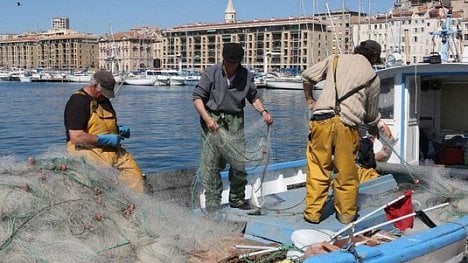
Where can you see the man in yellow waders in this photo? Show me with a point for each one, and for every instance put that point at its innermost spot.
(367, 159)
(349, 99)
(92, 130)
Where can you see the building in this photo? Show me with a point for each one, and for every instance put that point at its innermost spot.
(415, 29)
(339, 24)
(55, 49)
(269, 44)
(60, 23)
(136, 49)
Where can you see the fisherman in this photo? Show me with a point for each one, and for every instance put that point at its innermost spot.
(92, 130)
(350, 98)
(220, 98)
(367, 157)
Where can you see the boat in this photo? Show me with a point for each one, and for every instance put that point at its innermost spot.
(4, 75)
(176, 78)
(289, 82)
(149, 77)
(80, 77)
(414, 98)
(278, 224)
(25, 76)
(191, 77)
(139, 81)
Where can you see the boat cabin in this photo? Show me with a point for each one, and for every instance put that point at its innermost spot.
(425, 106)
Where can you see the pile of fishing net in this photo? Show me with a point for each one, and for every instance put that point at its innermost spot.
(432, 185)
(58, 209)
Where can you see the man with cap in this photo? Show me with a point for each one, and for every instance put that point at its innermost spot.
(349, 99)
(93, 133)
(219, 97)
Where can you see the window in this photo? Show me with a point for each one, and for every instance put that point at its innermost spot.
(386, 103)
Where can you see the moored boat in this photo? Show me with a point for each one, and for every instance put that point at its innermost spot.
(139, 81)
(281, 81)
(81, 77)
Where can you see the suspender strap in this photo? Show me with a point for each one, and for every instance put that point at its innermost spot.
(356, 89)
(337, 102)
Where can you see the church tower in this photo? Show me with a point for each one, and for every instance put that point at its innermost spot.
(230, 13)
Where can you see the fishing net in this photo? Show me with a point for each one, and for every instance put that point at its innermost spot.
(58, 209)
(432, 185)
(249, 148)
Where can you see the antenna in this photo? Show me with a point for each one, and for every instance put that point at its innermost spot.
(446, 32)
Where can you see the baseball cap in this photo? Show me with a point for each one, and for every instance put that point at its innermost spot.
(233, 52)
(374, 47)
(107, 82)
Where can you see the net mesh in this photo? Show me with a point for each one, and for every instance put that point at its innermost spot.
(58, 209)
(431, 185)
(253, 152)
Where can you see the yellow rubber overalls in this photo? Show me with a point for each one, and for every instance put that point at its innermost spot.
(102, 121)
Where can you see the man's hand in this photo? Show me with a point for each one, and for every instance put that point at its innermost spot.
(267, 117)
(124, 131)
(310, 103)
(108, 140)
(211, 124)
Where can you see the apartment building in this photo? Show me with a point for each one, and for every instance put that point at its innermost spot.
(61, 49)
(138, 48)
(414, 30)
(276, 43)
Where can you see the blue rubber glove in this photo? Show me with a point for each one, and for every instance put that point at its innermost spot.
(109, 140)
(124, 131)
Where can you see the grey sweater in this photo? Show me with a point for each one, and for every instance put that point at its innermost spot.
(219, 94)
(352, 70)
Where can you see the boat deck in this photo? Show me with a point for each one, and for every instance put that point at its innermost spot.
(282, 213)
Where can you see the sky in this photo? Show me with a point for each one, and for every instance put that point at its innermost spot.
(105, 16)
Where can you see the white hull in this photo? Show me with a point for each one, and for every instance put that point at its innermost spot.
(25, 79)
(177, 80)
(140, 81)
(284, 84)
(162, 80)
(79, 78)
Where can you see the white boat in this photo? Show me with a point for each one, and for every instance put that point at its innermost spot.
(284, 82)
(81, 77)
(191, 80)
(260, 80)
(139, 81)
(175, 78)
(4, 75)
(161, 78)
(26, 76)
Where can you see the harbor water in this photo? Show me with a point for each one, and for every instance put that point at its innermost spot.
(164, 125)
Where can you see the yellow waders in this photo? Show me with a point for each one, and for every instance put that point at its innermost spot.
(332, 146)
(366, 174)
(103, 122)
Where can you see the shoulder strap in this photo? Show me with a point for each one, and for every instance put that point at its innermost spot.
(337, 102)
(356, 89)
(335, 63)
(349, 93)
